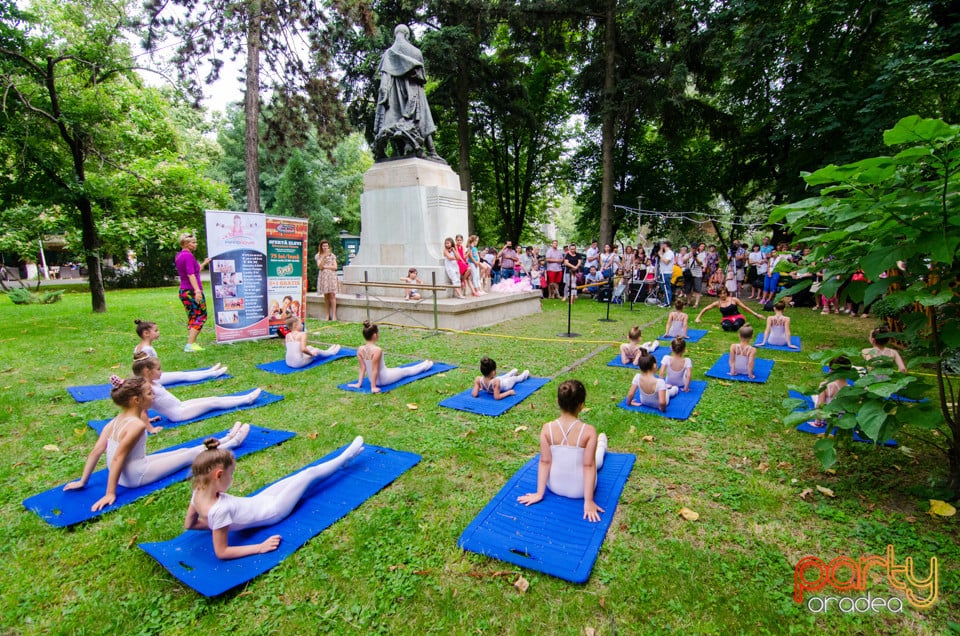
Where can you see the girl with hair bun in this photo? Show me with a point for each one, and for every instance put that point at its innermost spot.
(370, 358)
(149, 332)
(124, 441)
(211, 508)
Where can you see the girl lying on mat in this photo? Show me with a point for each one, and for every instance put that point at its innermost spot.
(149, 332)
(829, 390)
(778, 328)
(499, 386)
(677, 321)
(370, 357)
(299, 353)
(647, 389)
(211, 508)
(631, 350)
(124, 440)
(742, 354)
(173, 409)
(676, 368)
(571, 453)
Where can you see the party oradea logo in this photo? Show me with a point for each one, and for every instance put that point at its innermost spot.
(844, 574)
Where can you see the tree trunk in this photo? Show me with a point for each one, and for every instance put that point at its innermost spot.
(252, 108)
(462, 106)
(608, 121)
(91, 245)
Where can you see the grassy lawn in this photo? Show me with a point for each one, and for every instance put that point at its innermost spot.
(393, 566)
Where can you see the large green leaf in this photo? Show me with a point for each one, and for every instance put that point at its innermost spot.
(825, 452)
(914, 129)
(871, 418)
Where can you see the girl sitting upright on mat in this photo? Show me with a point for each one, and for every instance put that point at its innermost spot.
(499, 386)
(777, 332)
(676, 368)
(571, 453)
(631, 351)
(742, 354)
(677, 321)
(299, 353)
(211, 508)
(124, 440)
(370, 358)
(173, 409)
(647, 389)
(149, 332)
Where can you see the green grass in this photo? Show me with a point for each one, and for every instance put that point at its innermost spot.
(392, 566)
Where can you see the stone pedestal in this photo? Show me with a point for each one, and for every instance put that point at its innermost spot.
(407, 209)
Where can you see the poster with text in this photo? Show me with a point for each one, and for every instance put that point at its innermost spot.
(244, 253)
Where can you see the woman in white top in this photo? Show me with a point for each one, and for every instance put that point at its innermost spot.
(647, 389)
(149, 332)
(299, 353)
(124, 441)
(211, 508)
(370, 358)
(757, 271)
(571, 453)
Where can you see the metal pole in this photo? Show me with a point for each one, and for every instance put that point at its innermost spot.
(436, 323)
(609, 300)
(569, 295)
(366, 291)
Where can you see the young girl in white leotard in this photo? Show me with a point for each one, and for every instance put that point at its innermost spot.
(677, 321)
(647, 389)
(499, 386)
(370, 358)
(676, 368)
(878, 339)
(777, 332)
(211, 508)
(829, 390)
(124, 442)
(742, 354)
(173, 409)
(149, 332)
(571, 453)
(631, 350)
(299, 353)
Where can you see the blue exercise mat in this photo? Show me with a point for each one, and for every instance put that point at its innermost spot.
(551, 536)
(93, 392)
(721, 369)
(280, 366)
(438, 367)
(263, 399)
(810, 427)
(190, 558)
(896, 397)
(693, 335)
(795, 340)
(65, 508)
(680, 407)
(658, 353)
(484, 404)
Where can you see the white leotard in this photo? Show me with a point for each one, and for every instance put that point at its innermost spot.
(147, 349)
(778, 331)
(651, 399)
(507, 381)
(742, 363)
(295, 357)
(566, 469)
(676, 378)
(164, 402)
(237, 513)
(675, 328)
(389, 375)
(135, 466)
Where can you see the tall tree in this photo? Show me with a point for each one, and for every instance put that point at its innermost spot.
(287, 43)
(79, 130)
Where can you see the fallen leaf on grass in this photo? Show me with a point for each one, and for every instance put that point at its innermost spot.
(116, 366)
(603, 603)
(519, 428)
(897, 468)
(596, 382)
(910, 519)
(830, 471)
(133, 541)
(468, 433)
(312, 435)
(521, 584)
(412, 406)
(585, 409)
(79, 432)
(941, 508)
(688, 514)
(825, 491)
(589, 631)
(784, 465)
(52, 448)
(394, 567)
(648, 438)
(633, 430)
(763, 467)
(806, 493)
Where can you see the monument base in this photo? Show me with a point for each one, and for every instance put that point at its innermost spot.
(451, 313)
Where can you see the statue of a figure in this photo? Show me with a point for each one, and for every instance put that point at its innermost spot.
(403, 117)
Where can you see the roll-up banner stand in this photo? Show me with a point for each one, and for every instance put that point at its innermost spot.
(258, 270)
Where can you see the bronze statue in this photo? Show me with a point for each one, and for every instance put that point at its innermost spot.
(403, 118)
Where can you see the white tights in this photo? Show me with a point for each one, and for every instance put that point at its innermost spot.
(150, 468)
(389, 375)
(170, 377)
(196, 407)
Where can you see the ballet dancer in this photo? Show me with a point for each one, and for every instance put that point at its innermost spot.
(878, 340)
(299, 353)
(149, 332)
(173, 409)
(676, 369)
(124, 440)
(370, 358)
(743, 354)
(631, 350)
(677, 321)
(212, 508)
(500, 386)
(647, 388)
(569, 467)
(777, 332)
